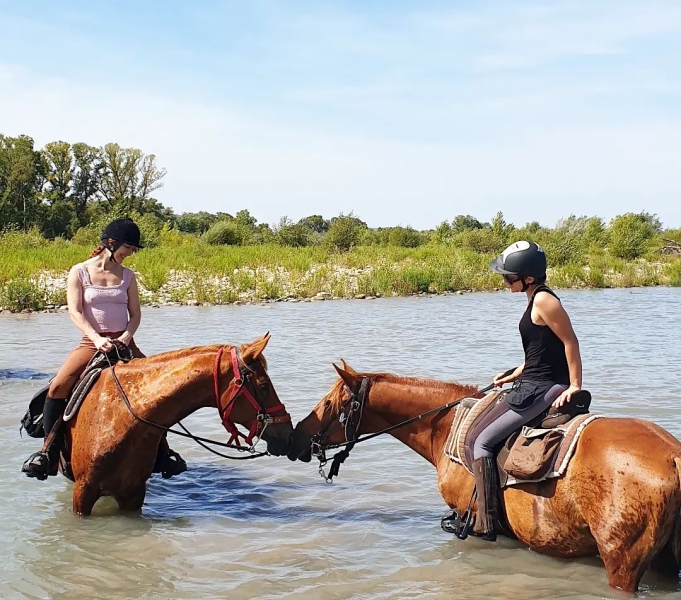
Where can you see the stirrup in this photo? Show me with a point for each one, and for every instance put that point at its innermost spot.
(169, 463)
(173, 464)
(37, 465)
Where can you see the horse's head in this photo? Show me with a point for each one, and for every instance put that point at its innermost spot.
(251, 400)
(336, 418)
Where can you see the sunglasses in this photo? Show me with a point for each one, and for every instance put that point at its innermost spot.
(510, 281)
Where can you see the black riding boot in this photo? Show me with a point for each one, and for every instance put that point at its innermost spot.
(486, 483)
(168, 462)
(42, 464)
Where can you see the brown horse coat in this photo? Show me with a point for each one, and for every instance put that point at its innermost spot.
(112, 453)
(619, 499)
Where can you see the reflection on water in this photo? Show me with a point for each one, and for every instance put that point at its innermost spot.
(270, 528)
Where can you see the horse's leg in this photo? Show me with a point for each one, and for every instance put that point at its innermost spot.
(628, 543)
(85, 494)
(132, 501)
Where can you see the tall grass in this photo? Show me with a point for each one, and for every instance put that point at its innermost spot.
(197, 271)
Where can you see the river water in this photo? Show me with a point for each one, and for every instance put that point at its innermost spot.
(270, 528)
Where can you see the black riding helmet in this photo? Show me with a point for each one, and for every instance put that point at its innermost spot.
(524, 259)
(123, 231)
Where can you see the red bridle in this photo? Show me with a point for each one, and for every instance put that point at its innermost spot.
(263, 413)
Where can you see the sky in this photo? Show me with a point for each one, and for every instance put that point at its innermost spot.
(404, 113)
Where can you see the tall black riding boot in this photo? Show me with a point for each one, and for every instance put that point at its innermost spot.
(168, 462)
(41, 464)
(486, 483)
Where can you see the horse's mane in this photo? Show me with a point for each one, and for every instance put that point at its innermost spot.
(194, 350)
(457, 390)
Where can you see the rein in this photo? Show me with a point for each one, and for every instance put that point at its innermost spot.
(241, 379)
(357, 401)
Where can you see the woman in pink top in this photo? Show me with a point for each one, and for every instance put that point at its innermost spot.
(104, 304)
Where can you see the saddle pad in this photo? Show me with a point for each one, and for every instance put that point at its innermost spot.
(467, 414)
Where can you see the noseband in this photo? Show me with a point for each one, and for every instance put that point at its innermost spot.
(247, 388)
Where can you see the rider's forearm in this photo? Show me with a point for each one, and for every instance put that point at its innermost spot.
(83, 325)
(133, 324)
(574, 360)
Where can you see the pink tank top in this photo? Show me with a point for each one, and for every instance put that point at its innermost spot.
(105, 307)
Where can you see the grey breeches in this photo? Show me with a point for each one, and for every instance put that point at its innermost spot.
(505, 420)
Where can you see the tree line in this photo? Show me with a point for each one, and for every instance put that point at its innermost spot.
(70, 191)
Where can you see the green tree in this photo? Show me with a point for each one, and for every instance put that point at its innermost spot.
(200, 222)
(464, 223)
(288, 233)
(315, 223)
(60, 218)
(344, 232)
(21, 173)
(128, 178)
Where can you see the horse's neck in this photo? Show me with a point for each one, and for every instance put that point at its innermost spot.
(391, 403)
(168, 391)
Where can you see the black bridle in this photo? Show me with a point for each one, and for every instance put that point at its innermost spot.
(349, 418)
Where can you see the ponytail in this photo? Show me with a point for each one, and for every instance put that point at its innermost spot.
(107, 244)
(97, 251)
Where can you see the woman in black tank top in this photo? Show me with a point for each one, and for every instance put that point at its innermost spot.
(550, 374)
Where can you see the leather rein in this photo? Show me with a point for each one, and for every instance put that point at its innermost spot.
(242, 380)
(349, 418)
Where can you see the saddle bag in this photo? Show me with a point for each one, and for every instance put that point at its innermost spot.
(32, 422)
(532, 457)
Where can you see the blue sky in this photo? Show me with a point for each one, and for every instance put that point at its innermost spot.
(402, 112)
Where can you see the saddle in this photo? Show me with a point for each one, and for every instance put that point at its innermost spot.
(32, 421)
(540, 450)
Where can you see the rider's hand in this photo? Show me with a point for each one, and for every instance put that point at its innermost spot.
(124, 338)
(103, 344)
(500, 380)
(564, 398)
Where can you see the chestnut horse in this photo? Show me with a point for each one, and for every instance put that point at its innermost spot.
(620, 497)
(113, 445)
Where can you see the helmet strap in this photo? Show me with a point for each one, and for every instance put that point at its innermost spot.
(526, 286)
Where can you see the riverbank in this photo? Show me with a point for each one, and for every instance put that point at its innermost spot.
(35, 278)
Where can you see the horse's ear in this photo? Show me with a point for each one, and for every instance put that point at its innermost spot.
(253, 351)
(348, 368)
(350, 379)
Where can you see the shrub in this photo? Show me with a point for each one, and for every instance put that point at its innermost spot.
(21, 293)
(629, 236)
(405, 237)
(223, 233)
(343, 233)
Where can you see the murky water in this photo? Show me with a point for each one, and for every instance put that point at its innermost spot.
(270, 528)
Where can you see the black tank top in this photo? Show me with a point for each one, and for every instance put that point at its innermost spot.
(545, 358)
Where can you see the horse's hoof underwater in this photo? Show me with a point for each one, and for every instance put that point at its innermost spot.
(37, 465)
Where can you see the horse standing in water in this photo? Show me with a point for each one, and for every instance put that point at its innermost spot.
(113, 446)
(620, 497)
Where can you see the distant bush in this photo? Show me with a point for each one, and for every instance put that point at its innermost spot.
(343, 233)
(629, 236)
(295, 235)
(225, 233)
(405, 237)
(484, 241)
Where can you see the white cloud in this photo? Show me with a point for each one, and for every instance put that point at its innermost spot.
(415, 136)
